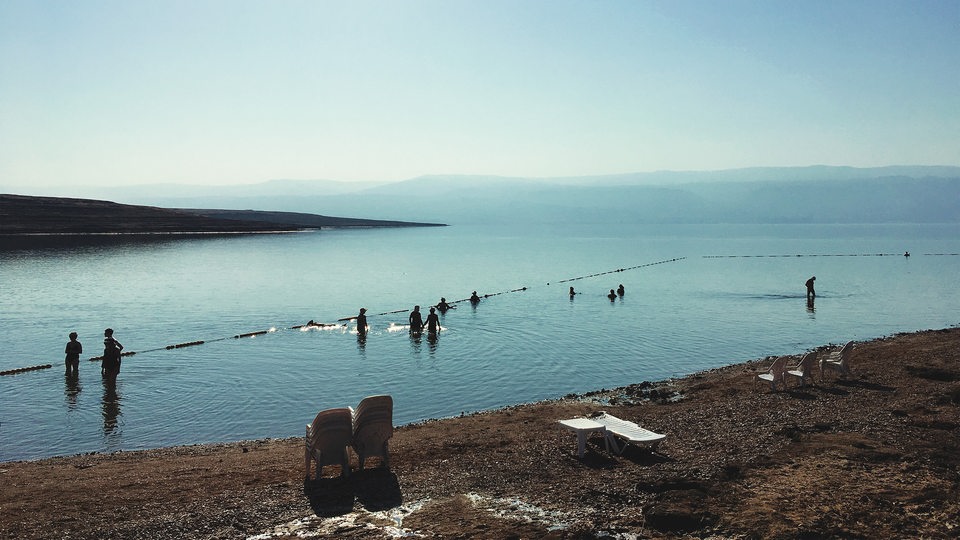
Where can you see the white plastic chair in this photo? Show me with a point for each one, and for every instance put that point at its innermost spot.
(373, 428)
(775, 374)
(837, 360)
(803, 370)
(326, 441)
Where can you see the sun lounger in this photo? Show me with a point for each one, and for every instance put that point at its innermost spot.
(803, 370)
(326, 441)
(776, 373)
(630, 432)
(373, 428)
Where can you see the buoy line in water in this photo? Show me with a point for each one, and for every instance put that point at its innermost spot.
(25, 369)
(824, 255)
(343, 319)
(619, 270)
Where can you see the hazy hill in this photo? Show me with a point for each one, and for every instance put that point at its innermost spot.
(818, 194)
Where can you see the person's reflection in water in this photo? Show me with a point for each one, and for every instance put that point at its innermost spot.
(71, 389)
(362, 341)
(416, 340)
(111, 406)
(432, 342)
(810, 307)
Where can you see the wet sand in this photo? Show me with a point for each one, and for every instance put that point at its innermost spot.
(875, 454)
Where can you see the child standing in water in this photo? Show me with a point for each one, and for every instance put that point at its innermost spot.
(73, 350)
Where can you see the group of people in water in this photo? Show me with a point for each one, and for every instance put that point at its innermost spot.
(416, 321)
(110, 361)
(614, 294)
(432, 323)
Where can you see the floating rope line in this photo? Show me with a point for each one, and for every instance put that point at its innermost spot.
(814, 255)
(24, 369)
(329, 325)
(620, 270)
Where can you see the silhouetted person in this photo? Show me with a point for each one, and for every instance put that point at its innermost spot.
(110, 365)
(620, 290)
(572, 292)
(73, 350)
(811, 294)
(416, 320)
(474, 299)
(612, 296)
(906, 253)
(362, 321)
(443, 305)
(433, 322)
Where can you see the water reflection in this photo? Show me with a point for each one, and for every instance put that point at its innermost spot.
(71, 389)
(416, 341)
(111, 406)
(362, 342)
(810, 308)
(432, 341)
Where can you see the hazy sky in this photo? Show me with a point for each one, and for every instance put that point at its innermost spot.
(225, 92)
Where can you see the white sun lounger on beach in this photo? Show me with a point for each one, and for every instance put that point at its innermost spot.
(838, 360)
(326, 440)
(629, 431)
(373, 428)
(803, 370)
(776, 373)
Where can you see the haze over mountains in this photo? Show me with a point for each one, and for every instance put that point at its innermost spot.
(819, 194)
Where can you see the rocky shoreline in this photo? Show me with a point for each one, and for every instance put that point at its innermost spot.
(872, 455)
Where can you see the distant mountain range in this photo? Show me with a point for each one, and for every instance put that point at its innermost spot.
(818, 194)
(20, 215)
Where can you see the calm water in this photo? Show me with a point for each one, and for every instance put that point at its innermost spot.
(723, 300)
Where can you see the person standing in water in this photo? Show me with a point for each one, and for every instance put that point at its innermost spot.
(362, 321)
(572, 292)
(416, 320)
(73, 350)
(474, 298)
(443, 306)
(620, 290)
(110, 366)
(811, 294)
(612, 296)
(433, 322)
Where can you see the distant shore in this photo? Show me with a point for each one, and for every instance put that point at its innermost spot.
(873, 455)
(25, 216)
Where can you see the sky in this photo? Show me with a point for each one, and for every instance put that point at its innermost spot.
(234, 92)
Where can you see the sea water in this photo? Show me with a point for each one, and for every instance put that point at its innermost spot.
(697, 297)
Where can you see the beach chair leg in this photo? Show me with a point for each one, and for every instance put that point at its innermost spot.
(612, 443)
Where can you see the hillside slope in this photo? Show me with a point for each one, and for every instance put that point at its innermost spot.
(20, 214)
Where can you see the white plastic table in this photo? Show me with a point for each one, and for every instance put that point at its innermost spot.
(583, 427)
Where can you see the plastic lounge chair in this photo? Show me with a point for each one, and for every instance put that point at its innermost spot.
(803, 370)
(775, 374)
(837, 360)
(373, 428)
(327, 439)
(629, 431)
